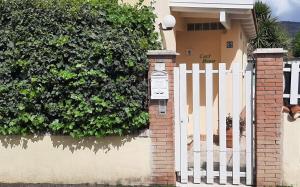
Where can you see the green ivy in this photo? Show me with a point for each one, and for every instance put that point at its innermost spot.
(74, 67)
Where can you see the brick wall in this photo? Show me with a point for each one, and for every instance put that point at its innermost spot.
(269, 102)
(161, 126)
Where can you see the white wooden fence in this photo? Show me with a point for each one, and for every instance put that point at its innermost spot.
(181, 122)
(294, 82)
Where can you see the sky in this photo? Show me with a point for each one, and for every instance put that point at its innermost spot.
(285, 10)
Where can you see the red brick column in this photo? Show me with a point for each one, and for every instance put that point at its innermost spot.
(161, 125)
(269, 102)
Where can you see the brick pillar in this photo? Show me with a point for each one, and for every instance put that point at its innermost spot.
(269, 102)
(161, 125)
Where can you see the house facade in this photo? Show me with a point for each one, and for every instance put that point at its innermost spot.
(208, 32)
(218, 32)
(210, 38)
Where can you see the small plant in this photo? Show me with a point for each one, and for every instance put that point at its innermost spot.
(229, 123)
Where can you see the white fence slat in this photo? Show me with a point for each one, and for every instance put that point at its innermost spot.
(196, 120)
(288, 96)
(217, 174)
(294, 83)
(253, 119)
(176, 119)
(236, 123)
(183, 124)
(222, 123)
(249, 116)
(209, 124)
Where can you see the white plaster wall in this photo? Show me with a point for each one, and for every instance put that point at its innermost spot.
(64, 160)
(291, 151)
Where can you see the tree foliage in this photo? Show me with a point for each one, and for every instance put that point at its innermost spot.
(74, 67)
(270, 33)
(296, 45)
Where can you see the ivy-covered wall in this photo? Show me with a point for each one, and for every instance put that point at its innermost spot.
(74, 67)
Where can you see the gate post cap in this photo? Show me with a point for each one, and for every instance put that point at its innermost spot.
(162, 53)
(270, 51)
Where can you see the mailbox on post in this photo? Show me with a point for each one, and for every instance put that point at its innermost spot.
(159, 83)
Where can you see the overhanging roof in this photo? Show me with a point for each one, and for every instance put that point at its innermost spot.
(232, 4)
(229, 10)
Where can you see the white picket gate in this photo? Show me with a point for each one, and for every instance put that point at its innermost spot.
(209, 174)
(294, 82)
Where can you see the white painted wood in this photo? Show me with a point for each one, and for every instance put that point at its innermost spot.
(209, 124)
(253, 119)
(177, 119)
(217, 174)
(231, 2)
(235, 123)
(219, 4)
(294, 83)
(289, 95)
(222, 123)
(180, 76)
(225, 20)
(196, 120)
(249, 123)
(183, 124)
(213, 71)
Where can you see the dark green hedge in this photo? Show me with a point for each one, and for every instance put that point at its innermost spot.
(74, 67)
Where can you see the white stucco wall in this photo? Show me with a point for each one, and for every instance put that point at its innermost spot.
(64, 160)
(291, 151)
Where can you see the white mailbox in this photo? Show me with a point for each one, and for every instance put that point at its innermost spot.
(159, 85)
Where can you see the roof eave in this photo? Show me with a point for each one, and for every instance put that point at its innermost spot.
(249, 25)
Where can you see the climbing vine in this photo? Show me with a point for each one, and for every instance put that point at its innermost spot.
(74, 67)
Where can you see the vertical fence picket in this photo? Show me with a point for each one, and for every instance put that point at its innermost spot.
(236, 123)
(176, 119)
(294, 83)
(222, 123)
(183, 124)
(249, 123)
(209, 124)
(253, 124)
(196, 120)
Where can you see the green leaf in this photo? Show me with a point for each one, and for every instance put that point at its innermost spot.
(74, 67)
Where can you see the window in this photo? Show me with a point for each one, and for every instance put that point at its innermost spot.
(204, 26)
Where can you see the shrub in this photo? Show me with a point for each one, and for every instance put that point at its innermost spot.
(74, 67)
(270, 33)
(296, 45)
